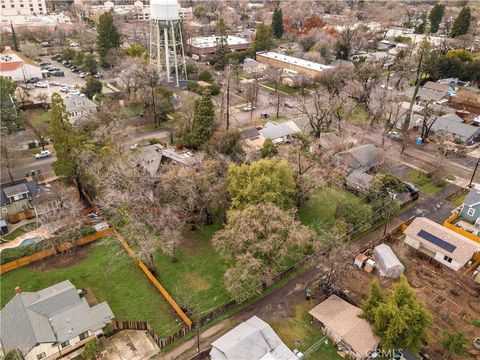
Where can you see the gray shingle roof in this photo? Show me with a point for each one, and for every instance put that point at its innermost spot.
(276, 131)
(426, 94)
(473, 197)
(362, 156)
(78, 103)
(51, 315)
(464, 131)
(16, 189)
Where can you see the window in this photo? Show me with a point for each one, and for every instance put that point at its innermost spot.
(17, 197)
(65, 344)
(4, 209)
(83, 336)
(447, 259)
(41, 355)
(3, 6)
(471, 212)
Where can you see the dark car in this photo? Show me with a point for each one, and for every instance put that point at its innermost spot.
(32, 80)
(45, 63)
(412, 189)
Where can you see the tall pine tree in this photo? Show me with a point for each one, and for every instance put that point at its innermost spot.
(435, 17)
(373, 300)
(264, 39)
(203, 124)
(222, 51)
(421, 27)
(277, 23)
(108, 36)
(462, 22)
(65, 140)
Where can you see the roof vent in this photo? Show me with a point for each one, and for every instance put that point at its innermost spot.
(68, 320)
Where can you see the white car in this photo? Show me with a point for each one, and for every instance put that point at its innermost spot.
(40, 84)
(74, 44)
(249, 107)
(54, 83)
(73, 92)
(43, 154)
(65, 89)
(82, 74)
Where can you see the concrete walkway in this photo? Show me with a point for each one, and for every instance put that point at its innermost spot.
(129, 345)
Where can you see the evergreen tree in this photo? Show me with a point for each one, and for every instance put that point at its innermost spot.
(14, 354)
(222, 51)
(108, 36)
(277, 23)
(14, 38)
(454, 343)
(65, 140)
(461, 23)
(435, 17)
(203, 124)
(92, 87)
(264, 39)
(421, 27)
(402, 320)
(373, 300)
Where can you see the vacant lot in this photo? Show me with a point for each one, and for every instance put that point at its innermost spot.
(196, 278)
(108, 272)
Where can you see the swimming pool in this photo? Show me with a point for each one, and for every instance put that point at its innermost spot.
(30, 241)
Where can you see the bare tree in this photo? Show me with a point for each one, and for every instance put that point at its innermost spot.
(10, 155)
(366, 78)
(430, 116)
(317, 111)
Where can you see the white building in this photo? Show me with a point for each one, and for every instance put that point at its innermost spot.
(281, 61)
(440, 243)
(17, 68)
(79, 108)
(22, 7)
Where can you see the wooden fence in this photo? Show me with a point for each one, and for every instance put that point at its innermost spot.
(24, 215)
(26, 260)
(448, 223)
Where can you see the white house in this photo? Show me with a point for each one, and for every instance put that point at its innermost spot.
(51, 322)
(444, 245)
(16, 68)
(79, 108)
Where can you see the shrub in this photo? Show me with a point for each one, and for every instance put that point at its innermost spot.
(32, 145)
(191, 69)
(108, 330)
(91, 350)
(86, 231)
(214, 89)
(154, 141)
(9, 255)
(268, 149)
(476, 322)
(205, 76)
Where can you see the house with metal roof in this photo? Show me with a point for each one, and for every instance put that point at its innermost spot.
(342, 323)
(358, 181)
(253, 339)
(51, 322)
(440, 243)
(425, 94)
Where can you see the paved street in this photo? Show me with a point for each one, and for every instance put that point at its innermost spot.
(25, 165)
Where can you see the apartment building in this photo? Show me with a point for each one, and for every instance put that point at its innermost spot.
(22, 7)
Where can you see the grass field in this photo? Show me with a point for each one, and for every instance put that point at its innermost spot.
(322, 205)
(423, 182)
(283, 88)
(21, 230)
(197, 276)
(298, 333)
(111, 275)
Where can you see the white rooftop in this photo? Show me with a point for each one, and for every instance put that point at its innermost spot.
(211, 41)
(295, 61)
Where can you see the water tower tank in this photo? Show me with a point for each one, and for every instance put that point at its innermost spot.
(164, 10)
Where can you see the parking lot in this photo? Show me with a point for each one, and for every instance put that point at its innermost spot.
(70, 78)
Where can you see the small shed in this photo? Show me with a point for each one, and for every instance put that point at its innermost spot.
(388, 263)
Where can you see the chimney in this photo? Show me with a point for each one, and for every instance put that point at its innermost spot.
(18, 289)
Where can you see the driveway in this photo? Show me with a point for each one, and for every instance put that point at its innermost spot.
(128, 345)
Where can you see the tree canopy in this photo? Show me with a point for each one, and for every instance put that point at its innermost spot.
(108, 36)
(277, 23)
(203, 124)
(10, 118)
(264, 39)
(222, 51)
(264, 181)
(92, 87)
(454, 343)
(435, 17)
(462, 22)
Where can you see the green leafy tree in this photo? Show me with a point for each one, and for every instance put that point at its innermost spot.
(78, 59)
(460, 55)
(454, 343)
(203, 124)
(264, 181)
(11, 119)
(90, 64)
(91, 350)
(14, 38)
(92, 87)
(268, 149)
(108, 37)
(222, 51)
(373, 300)
(462, 22)
(435, 17)
(264, 39)
(277, 23)
(402, 320)
(205, 76)
(68, 54)
(65, 140)
(14, 354)
(422, 26)
(135, 50)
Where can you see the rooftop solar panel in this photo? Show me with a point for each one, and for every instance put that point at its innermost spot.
(436, 241)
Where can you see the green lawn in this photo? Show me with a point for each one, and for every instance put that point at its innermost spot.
(298, 333)
(21, 230)
(459, 201)
(281, 87)
(423, 182)
(322, 205)
(359, 116)
(112, 276)
(197, 276)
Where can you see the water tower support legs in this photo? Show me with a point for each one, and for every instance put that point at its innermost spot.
(174, 44)
(167, 54)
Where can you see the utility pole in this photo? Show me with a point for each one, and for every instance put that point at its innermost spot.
(474, 172)
(228, 96)
(198, 328)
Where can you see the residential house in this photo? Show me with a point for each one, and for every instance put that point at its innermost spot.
(16, 201)
(361, 157)
(279, 133)
(358, 181)
(252, 66)
(425, 95)
(440, 243)
(151, 157)
(465, 100)
(253, 339)
(435, 86)
(52, 322)
(17, 67)
(79, 108)
(470, 209)
(342, 323)
(452, 125)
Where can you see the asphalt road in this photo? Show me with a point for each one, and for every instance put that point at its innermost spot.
(25, 165)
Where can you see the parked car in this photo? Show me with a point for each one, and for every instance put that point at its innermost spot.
(412, 189)
(45, 63)
(32, 80)
(82, 74)
(58, 73)
(43, 154)
(54, 83)
(74, 44)
(288, 104)
(73, 92)
(41, 84)
(395, 135)
(249, 107)
(97, 76)
(45, 44)
(66, 88)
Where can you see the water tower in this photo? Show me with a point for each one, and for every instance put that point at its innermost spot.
(166, 43)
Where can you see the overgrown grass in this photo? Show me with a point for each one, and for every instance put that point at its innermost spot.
(281, 87)
(196, 278)
(459, 201)
(323, 204)
(111, 275)
(21, 230)
(424, 183)
(298, 333)
(359, 116)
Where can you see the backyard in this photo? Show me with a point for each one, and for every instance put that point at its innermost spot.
(20, 231)
(426, 184)
(112, 276)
